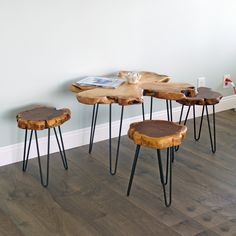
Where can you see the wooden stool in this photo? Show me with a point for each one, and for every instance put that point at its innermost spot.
(157, 134)
(41, 118)
(205, 97)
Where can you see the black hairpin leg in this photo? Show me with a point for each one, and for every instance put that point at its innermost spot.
(168, 157)
(185, 120)
(197, 136)
(61, 147)
(143, 112)
(113, 171)
(166, 179)
(26, 150)
(170, 118)
(133, 169)
(181, 114)
(151, 104)
(169, 110)
(194, 123)
(93, 126)
(39, 161)
(213, 142)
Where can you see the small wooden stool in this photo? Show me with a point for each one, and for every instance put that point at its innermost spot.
(41, 118)
(205, 97)
(157, 134)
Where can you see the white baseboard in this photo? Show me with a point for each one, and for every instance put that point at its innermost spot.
(13, 153)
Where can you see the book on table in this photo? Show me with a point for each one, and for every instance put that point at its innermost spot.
(100, 82)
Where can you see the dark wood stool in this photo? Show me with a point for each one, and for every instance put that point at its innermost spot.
(205, 97)
(41, 118)
(157, 134)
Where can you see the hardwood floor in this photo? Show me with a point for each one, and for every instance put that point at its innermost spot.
(86, 200)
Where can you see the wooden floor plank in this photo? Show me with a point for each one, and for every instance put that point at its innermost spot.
(87, 200)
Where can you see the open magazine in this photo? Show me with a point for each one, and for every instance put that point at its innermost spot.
(100, 82)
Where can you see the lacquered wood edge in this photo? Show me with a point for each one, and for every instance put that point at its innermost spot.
(165, 95)
(109, 100)
(43, 124)
(205, 96)
(169, 91)
(199, 101)
(75, 88)
(157, 143)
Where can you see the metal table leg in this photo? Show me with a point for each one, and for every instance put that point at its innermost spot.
(111, 169)
(151, 105)
(213, 142)
(197, 135)
(93, 126)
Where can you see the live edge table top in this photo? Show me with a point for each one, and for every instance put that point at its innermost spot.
(150, 84)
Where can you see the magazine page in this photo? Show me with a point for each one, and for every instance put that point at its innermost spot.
(100, 82)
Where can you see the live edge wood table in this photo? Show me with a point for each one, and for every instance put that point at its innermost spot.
(150, 84)
(205, 97)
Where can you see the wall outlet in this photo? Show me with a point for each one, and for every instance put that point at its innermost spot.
(201, 82)
(226, 81)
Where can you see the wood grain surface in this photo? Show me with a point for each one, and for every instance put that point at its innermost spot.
(205, 96)
(158, 134)
(150, 84)
(42, 117)
(123, 95)
(169, 91)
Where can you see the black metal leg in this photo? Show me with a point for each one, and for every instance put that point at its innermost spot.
(39, 161)
(168, 178)
(180, 119)
(186, 117)
(93, 126)
(176, 149)
(133, 169)
(113, 171)
(61, 147)
(143, 112)
(151, 104)
(26, 153)
(167, 164)
(194, 123)
(197, 136)
(169, 110)
(181, 114)
(213, 142)
(91, 131)
(185, 120)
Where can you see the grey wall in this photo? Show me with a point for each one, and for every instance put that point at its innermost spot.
(47, 44)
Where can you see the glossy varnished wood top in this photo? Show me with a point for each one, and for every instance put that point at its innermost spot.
(124, 95)
(169, 91)
(205, 96)
(150, 84)
(41, 117)
(158, 134)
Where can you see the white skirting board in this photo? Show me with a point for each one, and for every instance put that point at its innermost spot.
(13, 153)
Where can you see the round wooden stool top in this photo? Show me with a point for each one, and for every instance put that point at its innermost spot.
(158, 134)
(42, 117)
(205, 96)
